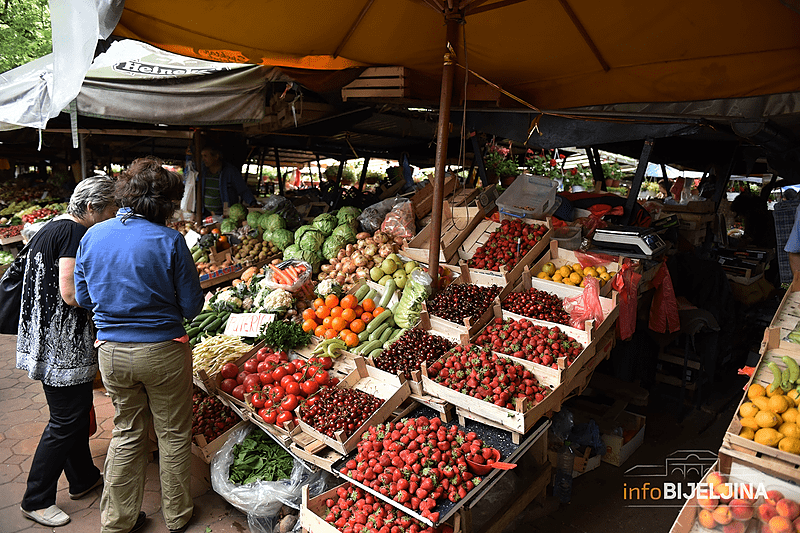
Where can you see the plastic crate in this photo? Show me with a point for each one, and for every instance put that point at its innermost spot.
(784, 215)
(528, 197)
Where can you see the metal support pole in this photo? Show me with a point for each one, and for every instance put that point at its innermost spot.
(638, 177)
(596, 167)
(363, 174)
(442, 131)
(280, 175)
(319, 171)
(338, 191)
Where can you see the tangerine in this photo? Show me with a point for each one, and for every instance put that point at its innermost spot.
(336, 311)
(322, 311)
(331, 300)
(309, 314)
(331, 333)
(350, 339)
(377, 311)
(320, 330)
(357, 325)
(368, 305)
(349, 302)
(338, 323)
(327, 321)
(366, 317)
(349, 315)
(318, 302)
(309, 325)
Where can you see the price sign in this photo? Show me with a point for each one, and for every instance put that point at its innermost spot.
(247, 324)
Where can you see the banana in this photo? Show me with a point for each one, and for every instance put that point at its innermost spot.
(777, 376)
(793, 368)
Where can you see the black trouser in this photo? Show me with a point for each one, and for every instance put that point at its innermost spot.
(64, 447)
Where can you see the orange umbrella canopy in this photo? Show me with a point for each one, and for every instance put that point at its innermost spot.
(553, 54)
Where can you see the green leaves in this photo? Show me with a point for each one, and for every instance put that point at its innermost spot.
(25, 32)
(284, 335)
(258, 457)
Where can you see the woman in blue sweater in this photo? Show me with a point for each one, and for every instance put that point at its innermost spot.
(138, 278)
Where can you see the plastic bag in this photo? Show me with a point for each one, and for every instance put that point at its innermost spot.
(29, 230)
(190, 182)
(418, 288)
(400, 220)
(372, 217)
(586, 305)
(262, 498)
(302, 279)
(285, 208)
(626, 283)
(593, 259)
(664, 316)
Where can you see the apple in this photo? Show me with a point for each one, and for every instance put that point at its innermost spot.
(766, 511)
(410, 267)
(400, 278)
(388, 266)
(788, 508)
(722, 514)
(375, 273)
(741, 509)
(549, 268)
(706, 519)
(384, 279)
(396, 258)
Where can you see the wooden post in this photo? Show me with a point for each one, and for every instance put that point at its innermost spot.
(198, 166)
(448, 73)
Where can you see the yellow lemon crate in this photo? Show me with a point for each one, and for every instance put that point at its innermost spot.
(758, 433)
(557, 258)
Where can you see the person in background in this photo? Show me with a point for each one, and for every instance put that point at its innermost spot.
(55, 346)
(793, 249)
(222, 182)
(144, 355)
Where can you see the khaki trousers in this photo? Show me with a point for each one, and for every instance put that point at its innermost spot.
(147, 381)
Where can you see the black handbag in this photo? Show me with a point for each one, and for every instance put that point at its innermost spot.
(11, 293)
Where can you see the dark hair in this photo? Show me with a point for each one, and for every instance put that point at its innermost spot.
(149, 189)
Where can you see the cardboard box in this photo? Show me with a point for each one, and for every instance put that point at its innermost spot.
(581, 464)
(618, 450)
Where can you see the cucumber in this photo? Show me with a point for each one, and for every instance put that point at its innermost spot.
(211, 318)
(375, 335)
(369, 346)
(388, 292)
(362, 292)
(386, 335)
(202, 316)
(378, 320)
(192, 332)
(397, 334)
(375, 353)
(391, 322)
(371, 294)
(364, 335)
(213, 326)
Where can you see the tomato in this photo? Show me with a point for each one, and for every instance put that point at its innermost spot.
(285, 380)
(258, 399)
(240, 377)
(227, 385)
(263, 365)
(238, 392)
(268, 415)
(283, 356)
(323, 378)
(229, 371)
(278, 373)
(309, 387)
(289, 402)
(262, 353)
(293, 388)
(298, 376)
(266, 378)
(276, 393)
(284, 416)
(327, 362)
(290, 368)
(251, 365)
(252, 386)
(252, 379)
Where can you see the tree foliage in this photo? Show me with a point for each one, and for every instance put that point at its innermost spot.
(25, 32)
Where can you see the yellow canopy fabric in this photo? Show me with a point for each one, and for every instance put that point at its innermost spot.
(656, 51)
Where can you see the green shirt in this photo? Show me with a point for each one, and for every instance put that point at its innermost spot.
(213, 199)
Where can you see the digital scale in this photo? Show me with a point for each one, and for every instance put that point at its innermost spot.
(630, 241)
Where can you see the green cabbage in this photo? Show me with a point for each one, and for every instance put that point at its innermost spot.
(253, 218)
(347, 214)
(292, 251)
(228, 225)
(282, 238)
(325, 223)
(237, 212)
(311, 240)
(298, 233)
(332, 245)
(346, 232)
(273, 222)
(311, 257)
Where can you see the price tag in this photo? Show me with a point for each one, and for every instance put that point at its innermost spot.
(247, 324)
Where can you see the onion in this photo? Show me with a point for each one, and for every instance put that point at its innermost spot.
(385, 250)
(338, 266)
(370, 240)
(359, 260)
(361, 245)
(327, 268)
(381, 237)
(399, 241)
(349, 268)
(371, 249)
(363, 235)
(370, 263)
(342, 254)
(340, 278)
(362, 272)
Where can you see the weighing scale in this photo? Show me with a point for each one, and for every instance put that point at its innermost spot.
(630, 241)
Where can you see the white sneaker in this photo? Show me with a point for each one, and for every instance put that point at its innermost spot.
(51, 517)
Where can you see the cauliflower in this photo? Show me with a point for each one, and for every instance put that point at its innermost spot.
(278, 299)
(328, 286)
(227, 300)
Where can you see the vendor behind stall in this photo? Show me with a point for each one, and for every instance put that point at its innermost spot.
(222, 182)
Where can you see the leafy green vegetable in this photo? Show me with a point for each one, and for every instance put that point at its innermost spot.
(284, 335)
(237, 212)
(281, 238)
(325, 223)
(257, 458)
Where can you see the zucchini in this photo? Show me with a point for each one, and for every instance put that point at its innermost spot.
(397, 334)
(364, 335)
(378, 320)
(375, 335)
(371, 294)
(202, 316)
(391, 322)
(386, 335)
(213, 326)
(388, 292)
(211, 318)
(369, 346)
(375, 353)
(192, 332)
(362, 292)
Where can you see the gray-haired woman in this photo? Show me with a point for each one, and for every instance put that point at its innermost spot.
(55, 345)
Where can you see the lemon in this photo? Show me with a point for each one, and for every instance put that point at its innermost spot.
(777, 392)
(577, 268)
(789, 429)
(762, 402)
(557, 277)
(749, 422)
(767, 437)
(789, 444)
(575, 278)
(755, 390)
(767, 419)
(568, 281)
(779, 404)
(605, 276)
(747, 433)
(601, 269)
(791, 415)
(565, 271)
(542, 275)
(748, 409)
(794, 394)
(590, 271)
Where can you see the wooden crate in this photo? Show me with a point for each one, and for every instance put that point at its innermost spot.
(591, 330)
(762, 456)
(379, 82)
(481, 234)
(206, 450)
(563, 257)
(518, 421)
(210, 384)
(422, 200)
(784, 321)
(457, 224)
(365, 378)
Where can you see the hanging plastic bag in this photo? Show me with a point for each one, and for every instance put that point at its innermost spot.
(189, 189)
(626, 283)
(399, 222)
(593, 259)
(261, 499)
(418, 288)
(586, 305)
(664, 316)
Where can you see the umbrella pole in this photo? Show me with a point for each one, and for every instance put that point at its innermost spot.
(448, 73)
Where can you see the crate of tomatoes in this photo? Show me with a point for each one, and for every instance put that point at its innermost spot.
(338, 416)
(212, 422)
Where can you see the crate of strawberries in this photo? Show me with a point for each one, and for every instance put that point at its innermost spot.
(492, 389)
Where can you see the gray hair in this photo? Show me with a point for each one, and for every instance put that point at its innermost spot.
(97, 191)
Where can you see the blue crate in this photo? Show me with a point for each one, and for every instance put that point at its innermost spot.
(784, 215)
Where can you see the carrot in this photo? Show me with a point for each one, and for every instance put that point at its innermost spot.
(279, 275)
(293, 271)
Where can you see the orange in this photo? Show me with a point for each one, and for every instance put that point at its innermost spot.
(349, 302)
(331, 300)
(338, 323)
(309, 314)
(350, 338)
(368, 304)
(309, 325)
(377, 311)
(318, 302)
(330, 333)
(349, 315)
(327, 321)
(357, 325)
(322, 311)
(358, 310)
(366, 317)
(319, 331)
(336, 311)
